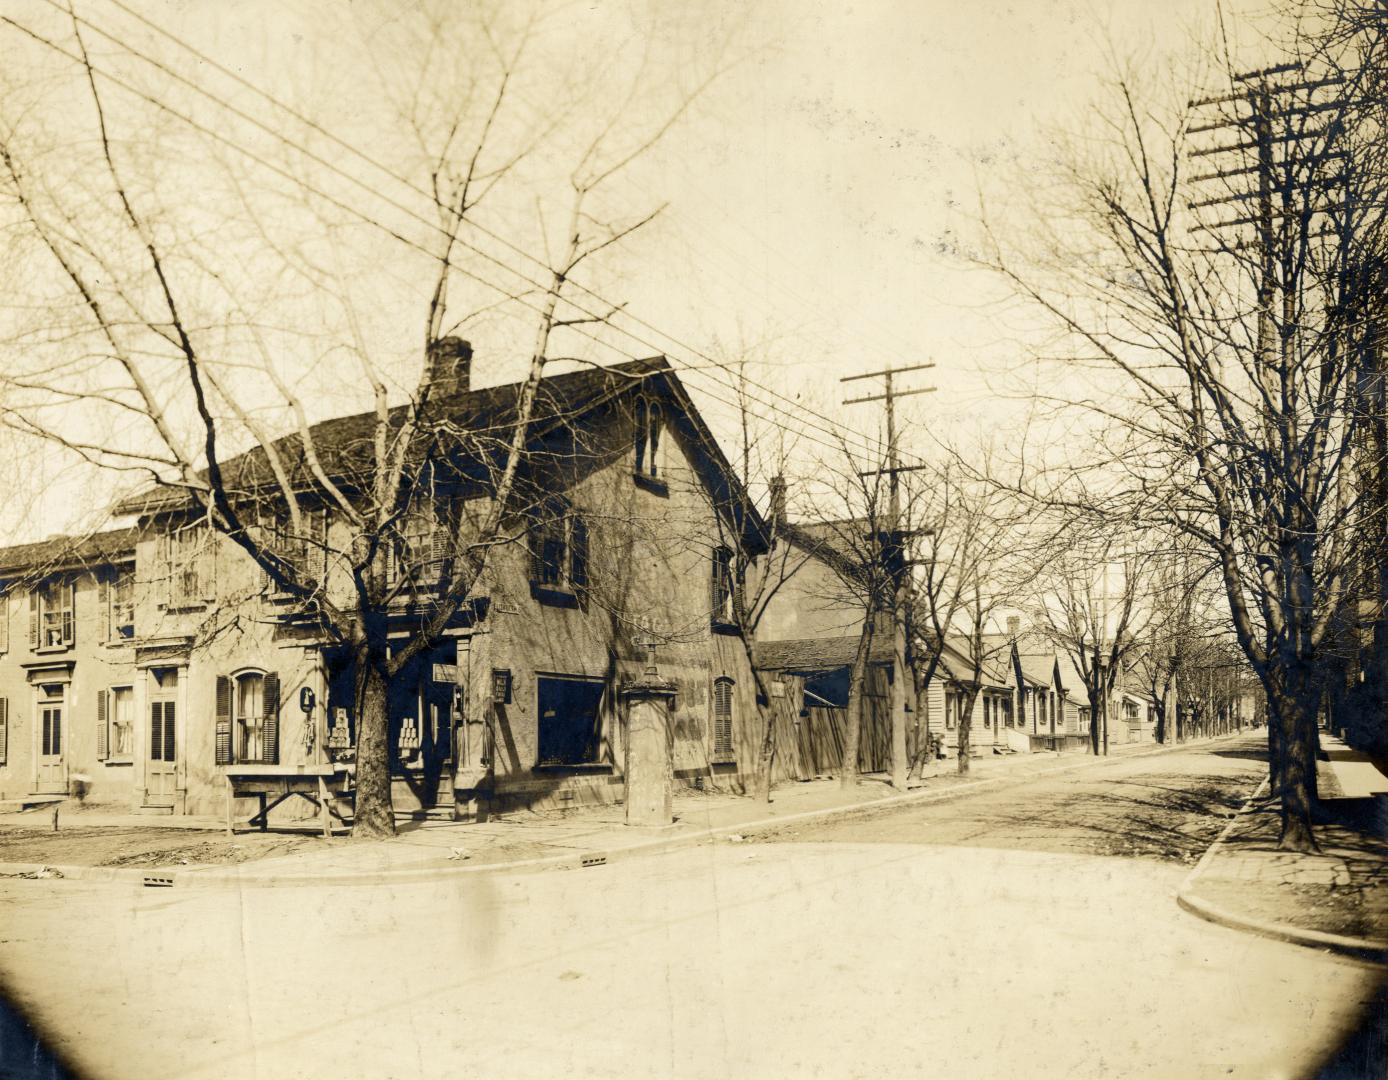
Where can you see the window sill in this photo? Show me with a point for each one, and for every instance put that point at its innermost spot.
(554, 595)
(574, 769)
(49, 650)
(653, 484)
(120, 763)
(184, 606)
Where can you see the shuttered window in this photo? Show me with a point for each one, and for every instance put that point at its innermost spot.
(559, 549)
(721, 586)
(248, 708)
(723, 719)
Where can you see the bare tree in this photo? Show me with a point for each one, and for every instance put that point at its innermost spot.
(1221, 356)
(1087, 605)
(976, 558)
(151, 359)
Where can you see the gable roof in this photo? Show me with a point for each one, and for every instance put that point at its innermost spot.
(70, 552)
(818, 654)
(345, 445)
(824, 540)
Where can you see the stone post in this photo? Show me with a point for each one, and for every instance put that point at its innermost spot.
(648, 768)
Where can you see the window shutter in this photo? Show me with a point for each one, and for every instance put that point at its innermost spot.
(69, 613)
(103, 606)
(103, 742)
(156, 731)
(722, 718)
(207, 565)
(272, 719)
(223, 738)
(34, 617)
(170, 749)
(4, 729)
(578, 553)
(537, 552)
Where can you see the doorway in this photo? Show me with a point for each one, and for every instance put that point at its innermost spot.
(161, 767)
(51, 770)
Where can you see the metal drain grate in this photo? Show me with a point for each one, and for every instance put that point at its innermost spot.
(158, 881)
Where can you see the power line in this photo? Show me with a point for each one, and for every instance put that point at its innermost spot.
(120, 83)
(836, 429)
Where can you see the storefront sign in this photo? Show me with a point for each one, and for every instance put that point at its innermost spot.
(501, 686)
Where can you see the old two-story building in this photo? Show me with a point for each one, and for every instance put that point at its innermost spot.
(70, 689)
(620, 548)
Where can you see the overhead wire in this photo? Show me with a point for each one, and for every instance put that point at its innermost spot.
(836, 428)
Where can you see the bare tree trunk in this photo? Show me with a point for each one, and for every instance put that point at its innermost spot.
(374, 814)
(966, 715)
(1293, 714)
(848, 774)
(766, 755)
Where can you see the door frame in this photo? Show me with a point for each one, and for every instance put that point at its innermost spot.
(148, 693)
(39, 700)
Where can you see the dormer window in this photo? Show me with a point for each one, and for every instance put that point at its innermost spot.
(650, 421)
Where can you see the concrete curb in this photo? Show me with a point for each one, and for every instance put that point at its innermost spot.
(220, 877)
(1368, 949)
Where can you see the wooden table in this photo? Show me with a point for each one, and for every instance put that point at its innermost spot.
(319, 784)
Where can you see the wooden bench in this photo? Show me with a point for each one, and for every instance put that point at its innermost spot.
(321, 785)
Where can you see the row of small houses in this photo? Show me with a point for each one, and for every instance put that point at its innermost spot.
(144, 662)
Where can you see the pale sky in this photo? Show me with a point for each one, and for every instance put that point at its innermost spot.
(818, 196)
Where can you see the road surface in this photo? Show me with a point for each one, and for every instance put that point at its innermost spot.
(1027, 932)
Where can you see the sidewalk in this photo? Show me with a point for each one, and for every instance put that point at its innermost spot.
(1337, 899)
(583, 837)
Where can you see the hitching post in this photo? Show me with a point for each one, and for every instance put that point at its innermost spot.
(648, 769)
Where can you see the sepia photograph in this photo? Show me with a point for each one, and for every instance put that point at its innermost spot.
(662, 539)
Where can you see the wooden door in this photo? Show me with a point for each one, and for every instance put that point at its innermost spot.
(52, 773)
(160, 769)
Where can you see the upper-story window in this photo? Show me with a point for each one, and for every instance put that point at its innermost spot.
(51, 622)
(650, 421)
(118, 609)
(304, 547)
(423, 546)
(722, 586)
(188, 557)
(558, 549)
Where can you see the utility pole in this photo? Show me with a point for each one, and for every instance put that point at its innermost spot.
(893, 554)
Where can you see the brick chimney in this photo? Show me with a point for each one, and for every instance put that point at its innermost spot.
(448, 370)
(777, 511)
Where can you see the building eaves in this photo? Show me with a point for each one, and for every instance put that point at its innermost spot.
(57, 553)
(817, 654)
